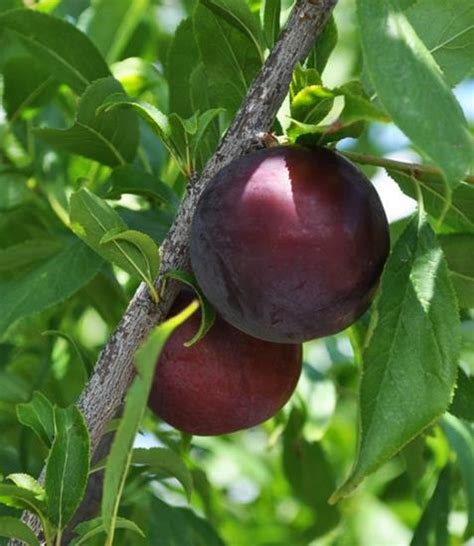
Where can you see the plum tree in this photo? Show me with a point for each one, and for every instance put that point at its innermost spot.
(226, 382)
(289, 243)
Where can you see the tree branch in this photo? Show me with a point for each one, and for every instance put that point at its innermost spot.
(114, 370)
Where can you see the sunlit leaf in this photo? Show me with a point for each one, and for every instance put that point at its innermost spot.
(456, 211)
(447, 30)
(410, 357)
(389, 42)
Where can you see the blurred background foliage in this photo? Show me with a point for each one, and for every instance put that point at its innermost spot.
(267, 486)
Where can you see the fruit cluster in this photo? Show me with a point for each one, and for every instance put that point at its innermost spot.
(288, 244)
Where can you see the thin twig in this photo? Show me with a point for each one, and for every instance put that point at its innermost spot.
(413, 169)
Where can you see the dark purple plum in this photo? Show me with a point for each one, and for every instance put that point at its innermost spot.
(226, 382)
(289, 243)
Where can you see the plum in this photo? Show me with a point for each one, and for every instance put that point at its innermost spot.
(289, 243)
(226, 382)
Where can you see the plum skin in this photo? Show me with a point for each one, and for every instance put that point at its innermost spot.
(289, 243)
(226, 382)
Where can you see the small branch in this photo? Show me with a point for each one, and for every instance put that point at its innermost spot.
(413, 169)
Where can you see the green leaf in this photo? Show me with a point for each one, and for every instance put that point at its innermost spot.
(461, 439)
(238, 14)
(23, 254)
(108, 137)
(200, 98)
(23, 223)
(130, 179)
(89, 529)
(139, 76)
(459, 251)
(78, 64)
(121, 453)
(181, 133)
(157, 121)
(447, 29)
(100, 227)
(38, 414)
(152, 222)
(185, 139)
(46, 285)
(312, 104)
(410, 357)
(67, 468)
(14, 528)
(462, 405)
(183, 58)
(13, 190)
(108, 297)
(230, 57)
(121, 17)
(143, 243)
(208, 313)
(26, 84)
(206, 139)
(325, 44)
(303, 77)
(432, 529)
(271, 21)
(13, 388)
(309, 474)
(457, 212)
(321, 135)
(25, 481)
(358, 105)
(417, 93)
(17, 497)
(84, 361)
(181, 526)
(193, 138)
(10, 4)
(163, 460)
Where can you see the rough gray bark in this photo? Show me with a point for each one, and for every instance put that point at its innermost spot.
(114, 370)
